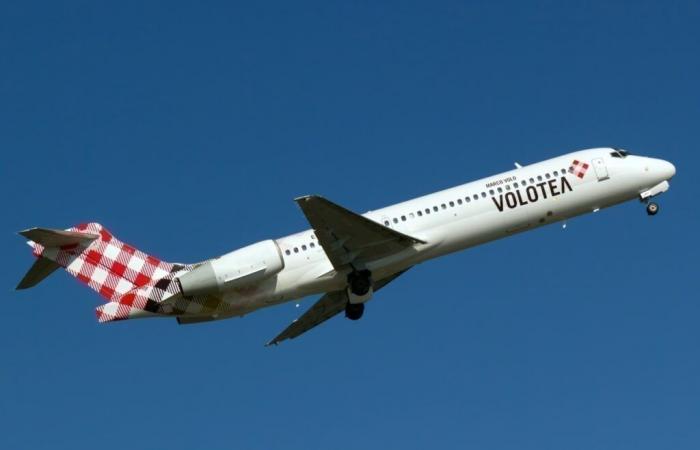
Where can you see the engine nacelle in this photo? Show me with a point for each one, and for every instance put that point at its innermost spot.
(239, 268)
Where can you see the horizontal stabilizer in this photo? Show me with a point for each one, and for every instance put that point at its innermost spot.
(42, 268)
(57, 238)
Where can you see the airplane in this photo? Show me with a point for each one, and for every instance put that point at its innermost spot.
(345, 256)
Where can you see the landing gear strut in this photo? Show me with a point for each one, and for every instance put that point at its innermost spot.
(353, 311)
(652, 209)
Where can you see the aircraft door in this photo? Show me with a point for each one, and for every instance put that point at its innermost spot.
(601, 170)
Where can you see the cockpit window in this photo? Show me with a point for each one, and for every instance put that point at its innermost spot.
(619, 153)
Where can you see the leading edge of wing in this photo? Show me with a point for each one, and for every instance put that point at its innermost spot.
(348, 238)
(305, 200)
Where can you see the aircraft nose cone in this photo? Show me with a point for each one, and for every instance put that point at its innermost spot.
(667, 169)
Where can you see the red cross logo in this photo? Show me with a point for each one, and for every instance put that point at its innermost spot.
(578, 168)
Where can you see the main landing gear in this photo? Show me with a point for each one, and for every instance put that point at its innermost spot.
(354, 311)
(652, 209)
(359, 291)
(360, 282)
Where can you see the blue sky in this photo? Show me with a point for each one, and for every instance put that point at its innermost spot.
(187, 129)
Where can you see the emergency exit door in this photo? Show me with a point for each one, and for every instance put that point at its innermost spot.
(601, 171)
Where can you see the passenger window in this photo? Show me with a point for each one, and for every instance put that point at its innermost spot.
(287, 252)
(467, 199)
(412, 216)
(312, 245)
(403, 218)
(386, 222)
(452, 204)
(444, 206)
(459, 201)
(491, 192)
(396, 220)
(539, 177)
(435, 208)
(507, 187)
(556, 173)
(483, 194)
(427, 210)
(515, 185)
(547, 175)
(420, 213)
(532, 181)
(500, 190)
(476, 196)
(296, 250)
(303, 247)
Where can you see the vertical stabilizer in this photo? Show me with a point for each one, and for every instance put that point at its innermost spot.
(132, 282)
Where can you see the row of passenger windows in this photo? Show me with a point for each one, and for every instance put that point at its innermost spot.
(303, 248)
(484, 194)
(452, 204)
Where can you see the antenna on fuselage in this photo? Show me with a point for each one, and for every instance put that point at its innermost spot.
(518, 166)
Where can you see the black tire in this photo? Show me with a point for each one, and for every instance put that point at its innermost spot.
(652, 209)
(354, 311)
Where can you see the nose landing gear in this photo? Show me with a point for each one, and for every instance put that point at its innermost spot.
(652, 209)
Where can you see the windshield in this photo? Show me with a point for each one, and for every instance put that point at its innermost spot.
(619, 153)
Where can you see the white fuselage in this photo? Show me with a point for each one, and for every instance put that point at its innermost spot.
(464, 216)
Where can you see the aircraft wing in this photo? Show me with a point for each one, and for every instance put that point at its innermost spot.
(349, 238)
(328, 306)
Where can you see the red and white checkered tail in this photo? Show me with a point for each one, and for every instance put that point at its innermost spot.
(115, 270)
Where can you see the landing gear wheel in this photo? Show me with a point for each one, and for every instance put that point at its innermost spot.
(652, 209)
(353, 311)
(360, 282)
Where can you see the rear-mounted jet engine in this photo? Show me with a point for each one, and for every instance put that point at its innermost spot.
(239, 268)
